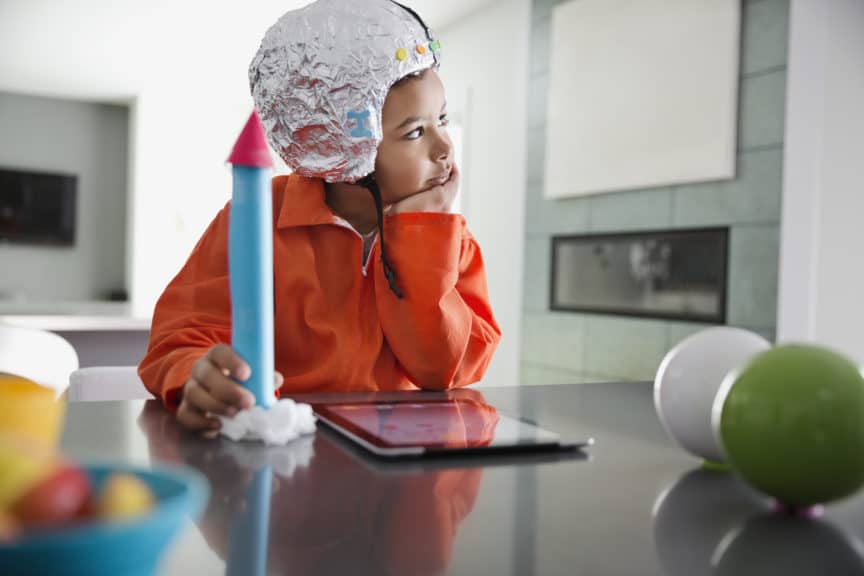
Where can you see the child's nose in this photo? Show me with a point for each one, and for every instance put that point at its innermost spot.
(443, 148)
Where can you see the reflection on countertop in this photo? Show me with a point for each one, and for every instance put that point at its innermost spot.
(314, 507)
(710, 522)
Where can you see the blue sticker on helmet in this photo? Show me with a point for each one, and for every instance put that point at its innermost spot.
(360, 130)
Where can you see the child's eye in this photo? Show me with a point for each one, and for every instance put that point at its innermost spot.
(443, 120)
(414, 134)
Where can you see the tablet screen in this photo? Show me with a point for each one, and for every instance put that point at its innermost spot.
(434, 424)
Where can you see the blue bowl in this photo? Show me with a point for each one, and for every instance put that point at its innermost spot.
(132, 547)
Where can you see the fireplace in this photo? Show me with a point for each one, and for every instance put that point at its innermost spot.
(668, 274)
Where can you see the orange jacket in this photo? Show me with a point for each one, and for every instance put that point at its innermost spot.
(337, 326)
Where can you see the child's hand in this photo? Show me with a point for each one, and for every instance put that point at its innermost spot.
(437, 199)
(210, 391)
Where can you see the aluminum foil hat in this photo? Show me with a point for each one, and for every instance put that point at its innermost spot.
(321, 75)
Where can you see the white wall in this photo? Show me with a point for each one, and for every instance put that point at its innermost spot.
(821, 272)
(485, 72)
(87, 140)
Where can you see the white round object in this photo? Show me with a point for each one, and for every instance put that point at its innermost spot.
(688, 380)
(43, 357)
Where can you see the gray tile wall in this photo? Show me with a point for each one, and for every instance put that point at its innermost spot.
(566, 347)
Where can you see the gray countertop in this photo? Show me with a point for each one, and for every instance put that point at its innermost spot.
(72, 316)
(634, 503)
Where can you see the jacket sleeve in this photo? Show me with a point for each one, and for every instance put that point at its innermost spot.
(442, 331)
(192, 315)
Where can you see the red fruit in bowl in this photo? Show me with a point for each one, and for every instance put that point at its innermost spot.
(59, 497)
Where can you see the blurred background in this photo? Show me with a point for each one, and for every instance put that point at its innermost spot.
(634, 170)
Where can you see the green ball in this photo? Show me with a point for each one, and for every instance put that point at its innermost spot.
(792, 424)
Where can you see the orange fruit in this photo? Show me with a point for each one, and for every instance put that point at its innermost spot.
(30, 411)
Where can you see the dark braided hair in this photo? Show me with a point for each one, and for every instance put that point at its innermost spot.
(371, 184)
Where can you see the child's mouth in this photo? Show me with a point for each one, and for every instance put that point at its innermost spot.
(441, 180)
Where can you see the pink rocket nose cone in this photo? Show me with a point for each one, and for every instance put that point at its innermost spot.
(251, 147)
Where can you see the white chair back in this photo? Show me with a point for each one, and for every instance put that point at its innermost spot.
(98, 383)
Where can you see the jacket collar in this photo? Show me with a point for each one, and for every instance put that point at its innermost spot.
(303, 202)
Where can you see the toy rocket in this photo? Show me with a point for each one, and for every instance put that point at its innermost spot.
(250, 259)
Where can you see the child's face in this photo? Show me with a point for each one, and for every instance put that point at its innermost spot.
(416, 153)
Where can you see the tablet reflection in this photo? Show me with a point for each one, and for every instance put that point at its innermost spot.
(314, 508)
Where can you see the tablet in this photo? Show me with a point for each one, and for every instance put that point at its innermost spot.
(397, 429)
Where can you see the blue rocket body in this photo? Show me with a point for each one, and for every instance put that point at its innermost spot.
(250, 262)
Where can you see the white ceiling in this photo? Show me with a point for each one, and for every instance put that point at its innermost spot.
(108, 49)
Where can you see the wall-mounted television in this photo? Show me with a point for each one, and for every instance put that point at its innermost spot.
(37, 207)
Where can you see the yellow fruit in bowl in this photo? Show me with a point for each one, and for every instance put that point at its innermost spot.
(124, 496)
(30, 411)
(23, 463)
